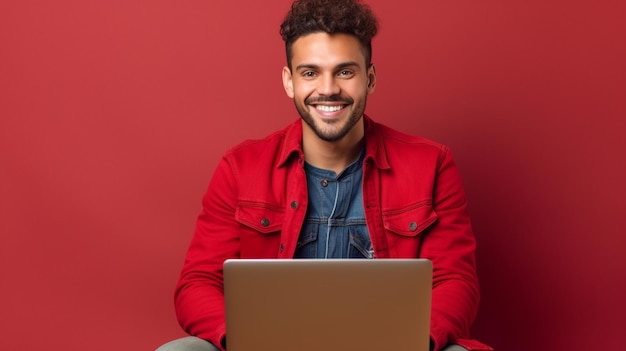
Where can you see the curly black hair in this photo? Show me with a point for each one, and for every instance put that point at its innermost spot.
(330, 16)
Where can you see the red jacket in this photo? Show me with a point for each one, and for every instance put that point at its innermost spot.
(256, 203)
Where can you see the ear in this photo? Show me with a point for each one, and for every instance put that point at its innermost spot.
(371, 79)
(288, 82)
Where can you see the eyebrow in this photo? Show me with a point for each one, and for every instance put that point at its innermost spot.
(339, 66)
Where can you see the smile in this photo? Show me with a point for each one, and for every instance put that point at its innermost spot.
(325, 108)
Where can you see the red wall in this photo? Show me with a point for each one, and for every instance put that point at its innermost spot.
(114, 113)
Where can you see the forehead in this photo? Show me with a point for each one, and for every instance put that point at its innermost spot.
(323, 49)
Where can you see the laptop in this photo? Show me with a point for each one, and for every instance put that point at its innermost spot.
(327, 304)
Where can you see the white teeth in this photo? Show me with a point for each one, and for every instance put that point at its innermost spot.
(325, 108)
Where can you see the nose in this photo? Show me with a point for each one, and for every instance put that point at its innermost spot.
(327, 85)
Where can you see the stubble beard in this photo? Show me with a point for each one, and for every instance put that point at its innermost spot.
(331, 131)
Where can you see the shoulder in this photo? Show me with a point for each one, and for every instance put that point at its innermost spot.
(269, 150)
(403, 144)
(253, 145)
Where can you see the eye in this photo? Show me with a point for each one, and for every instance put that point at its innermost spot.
(308, 74)
(345, 73)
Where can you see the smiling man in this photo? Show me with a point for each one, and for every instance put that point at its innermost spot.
(329, 79)
(333, 184)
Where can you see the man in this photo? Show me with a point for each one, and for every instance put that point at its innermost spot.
(334, 184)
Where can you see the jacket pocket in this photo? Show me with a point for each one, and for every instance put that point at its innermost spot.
(411, 220)
(261, 217)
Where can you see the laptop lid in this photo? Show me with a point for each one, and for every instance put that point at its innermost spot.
(329, 305)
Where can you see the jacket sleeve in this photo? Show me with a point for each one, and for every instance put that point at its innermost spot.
(450, 245)
(199, 296)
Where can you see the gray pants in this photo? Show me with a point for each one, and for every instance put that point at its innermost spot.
(191, 343)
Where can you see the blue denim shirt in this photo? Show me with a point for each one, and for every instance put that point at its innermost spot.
(334, 226)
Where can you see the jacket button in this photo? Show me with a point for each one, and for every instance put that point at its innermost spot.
(282, 247)
(324, 182)
(412, 226)
(265, 222)
(294, 204)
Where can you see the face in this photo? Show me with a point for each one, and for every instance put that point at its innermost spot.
(329, 83)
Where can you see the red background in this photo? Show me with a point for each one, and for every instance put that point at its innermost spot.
(114, 114)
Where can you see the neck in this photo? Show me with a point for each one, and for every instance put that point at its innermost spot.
(335, 155)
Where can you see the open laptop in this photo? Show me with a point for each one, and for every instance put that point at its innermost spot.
(327, 305)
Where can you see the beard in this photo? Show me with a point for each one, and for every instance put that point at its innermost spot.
(332, 130)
